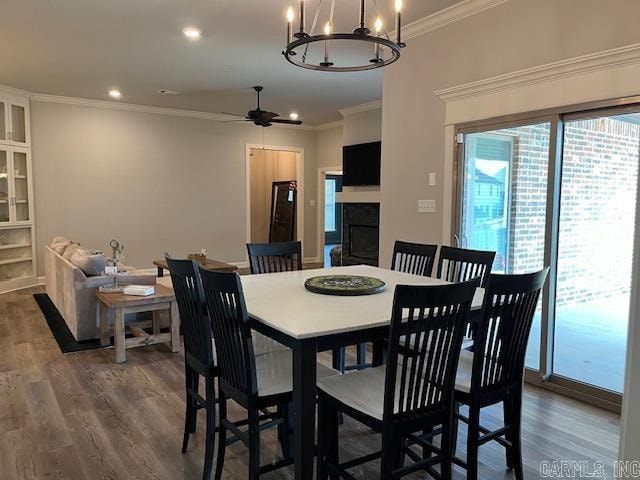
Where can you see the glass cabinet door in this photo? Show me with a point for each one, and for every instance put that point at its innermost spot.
(18, 122)
(4, 185)
(21, 185)
(4, 124)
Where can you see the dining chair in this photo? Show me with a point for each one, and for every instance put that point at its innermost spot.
(199, 359)
(415, 258)
(461, 264)
(413, 391)
(274, 257)
(256, 383)
(494, 371)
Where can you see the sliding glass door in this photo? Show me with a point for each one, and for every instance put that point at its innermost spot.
(559, 190)
(595, 248)
(504, 199)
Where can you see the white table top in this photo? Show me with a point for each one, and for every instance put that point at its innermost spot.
(281, 301)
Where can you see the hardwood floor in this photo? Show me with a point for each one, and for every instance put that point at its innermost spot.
(80, 416)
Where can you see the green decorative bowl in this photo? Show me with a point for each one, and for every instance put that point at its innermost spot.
(344, 285)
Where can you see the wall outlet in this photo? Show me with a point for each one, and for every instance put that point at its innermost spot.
(312, 203)
(432, 179)
(426, 206)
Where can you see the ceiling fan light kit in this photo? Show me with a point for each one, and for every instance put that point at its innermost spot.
(385, 51)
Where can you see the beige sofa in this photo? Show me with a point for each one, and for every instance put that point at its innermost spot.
(73, 293)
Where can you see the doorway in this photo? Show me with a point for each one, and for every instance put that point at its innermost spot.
(560, 190)
(332, 214)
(274, 188)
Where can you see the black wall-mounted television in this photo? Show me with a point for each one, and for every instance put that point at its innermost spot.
(361, 164)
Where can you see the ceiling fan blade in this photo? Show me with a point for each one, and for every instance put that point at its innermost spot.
(288, 122)
(235, 121)
(234, 114)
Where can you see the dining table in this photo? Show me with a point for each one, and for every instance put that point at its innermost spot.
(281, 308)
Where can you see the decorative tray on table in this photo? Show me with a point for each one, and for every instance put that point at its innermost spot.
(344, 285)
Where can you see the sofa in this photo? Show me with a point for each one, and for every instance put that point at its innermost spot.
(72, 291)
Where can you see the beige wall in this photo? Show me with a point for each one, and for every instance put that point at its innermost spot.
(509, 37)
(329, 147)
(155, 182)
(362, 127)
(267, 166)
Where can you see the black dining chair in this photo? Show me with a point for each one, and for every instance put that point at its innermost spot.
(412, 392)
(461, 264)
(274, 257)
(199, 359)
(256, 383)
(494, 371)
(415, 258)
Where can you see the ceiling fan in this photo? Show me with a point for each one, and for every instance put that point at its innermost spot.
(260, 117)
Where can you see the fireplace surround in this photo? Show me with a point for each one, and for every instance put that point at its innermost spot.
(360, 233)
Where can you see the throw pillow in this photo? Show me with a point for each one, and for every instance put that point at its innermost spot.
(92, 265)
(70, 250)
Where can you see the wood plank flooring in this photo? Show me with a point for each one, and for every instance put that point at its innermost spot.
(81, 416)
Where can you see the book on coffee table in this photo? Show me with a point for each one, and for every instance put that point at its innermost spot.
(139, 290)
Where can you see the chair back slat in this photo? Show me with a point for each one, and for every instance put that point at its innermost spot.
(427, 328)
(191, 306)
(459, 264)
(275, 257)
(503, 332)
(231, 331)
(414, 258)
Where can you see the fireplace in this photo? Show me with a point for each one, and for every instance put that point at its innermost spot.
(360, 233)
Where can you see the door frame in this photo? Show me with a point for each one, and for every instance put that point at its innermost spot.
(322, 174)
(545, 376)
(299, 178)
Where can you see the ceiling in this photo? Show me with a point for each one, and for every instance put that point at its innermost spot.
(82, 48)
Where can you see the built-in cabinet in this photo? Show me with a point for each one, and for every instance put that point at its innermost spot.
(17, 242)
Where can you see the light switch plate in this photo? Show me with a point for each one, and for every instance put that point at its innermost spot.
(426, 206)
(312, 203)
(432, 179)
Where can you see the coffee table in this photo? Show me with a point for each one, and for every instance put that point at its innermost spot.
(117, 305)
(209, 264)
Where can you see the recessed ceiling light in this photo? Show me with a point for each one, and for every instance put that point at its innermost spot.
(113, 93)
(293, 116)
(192, 33)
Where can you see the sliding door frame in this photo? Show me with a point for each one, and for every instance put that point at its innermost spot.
(556, 117)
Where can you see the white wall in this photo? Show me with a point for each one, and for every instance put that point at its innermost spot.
(155, 182)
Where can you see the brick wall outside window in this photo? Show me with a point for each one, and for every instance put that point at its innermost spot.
(597, 206)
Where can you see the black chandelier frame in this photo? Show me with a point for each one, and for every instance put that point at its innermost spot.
(301, 40)
(290, 52)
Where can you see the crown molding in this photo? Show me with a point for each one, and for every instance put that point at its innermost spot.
(593, 62)
(130, 107)
(376, 104)
(7, 90)
(446, 16)
(329, 125)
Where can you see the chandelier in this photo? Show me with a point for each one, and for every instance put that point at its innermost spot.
(383, 50)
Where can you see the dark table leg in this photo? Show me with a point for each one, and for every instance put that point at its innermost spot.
(304, 407)
(378, 353)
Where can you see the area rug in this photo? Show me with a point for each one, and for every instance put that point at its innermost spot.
(59, 329)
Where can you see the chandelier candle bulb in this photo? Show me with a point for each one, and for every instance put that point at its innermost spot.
(378, 27)
(399, 21)
(290, 16)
